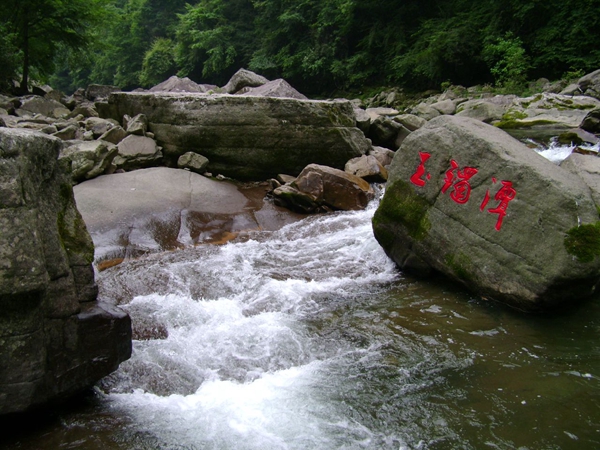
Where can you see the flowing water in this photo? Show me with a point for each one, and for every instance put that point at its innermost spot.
(309, 338)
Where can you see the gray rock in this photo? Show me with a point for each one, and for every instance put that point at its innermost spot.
(247, 137)
(136, 152)
(319, 188)
(591, 122)
(55, 339)
(571, 89)
(445, 106)
(481, 109)
(243, 78)
(176, 84)
(114, 135)
(410, 121)
(87, 159)
(587, 167)
(193, 161)
(85, 110)
(590, 84)
(68, 133)
(385, 132)
(44, 106)
(99, 126)
(505, 222)
(374, 113)
(368, 168)
(275, 88)
(137, 125)
(363, 120)
(383, 155)
(425, 111)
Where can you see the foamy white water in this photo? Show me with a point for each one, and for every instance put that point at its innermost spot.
(556, 152)
(236, 362)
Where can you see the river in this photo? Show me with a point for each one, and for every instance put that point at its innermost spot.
(308, 337)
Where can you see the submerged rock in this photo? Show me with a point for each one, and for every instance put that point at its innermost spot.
(55, 338)
(467, 200)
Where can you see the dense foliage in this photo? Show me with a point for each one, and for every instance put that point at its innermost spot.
(320, 46)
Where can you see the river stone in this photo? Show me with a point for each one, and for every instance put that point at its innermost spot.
(383, 155)
(481, 109)
(368, 168)
(243, 78)
(410, 121)
(520, 230)
(136, 152)
(49, 348)
(319, 188)
(192, 161)
(251, 138)
(385, 132)
(114, 135)
(591, 122)
(363, 120)
(87, 159)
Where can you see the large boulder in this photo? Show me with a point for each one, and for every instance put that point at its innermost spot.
(321, 188)
(467, 200)
(55, 338)
(247, 137)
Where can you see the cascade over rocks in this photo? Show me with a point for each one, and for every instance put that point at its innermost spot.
(246, 137)
(55, 338)
(469, 201)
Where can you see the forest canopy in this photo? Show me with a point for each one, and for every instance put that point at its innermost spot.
(319, 46)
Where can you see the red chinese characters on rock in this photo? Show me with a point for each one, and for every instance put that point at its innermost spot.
(461, 190)
(504, 195)
(458, 180)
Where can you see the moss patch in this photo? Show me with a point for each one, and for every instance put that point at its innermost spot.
(461, 265)
(511, 124)
(402, 206)
(583, 242)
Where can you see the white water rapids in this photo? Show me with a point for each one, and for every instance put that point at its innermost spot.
(241, 365)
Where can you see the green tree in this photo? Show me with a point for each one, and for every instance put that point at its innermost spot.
(508, 62)
(159, 63)
(40, 27)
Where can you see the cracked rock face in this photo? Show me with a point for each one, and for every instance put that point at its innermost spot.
(467, 200)
(55, 338)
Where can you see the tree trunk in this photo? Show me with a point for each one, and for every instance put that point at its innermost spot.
(23, 89)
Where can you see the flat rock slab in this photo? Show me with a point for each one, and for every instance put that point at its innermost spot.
(158, 209)
(246, 137)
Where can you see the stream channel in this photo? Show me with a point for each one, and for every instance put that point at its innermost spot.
(308, 337)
